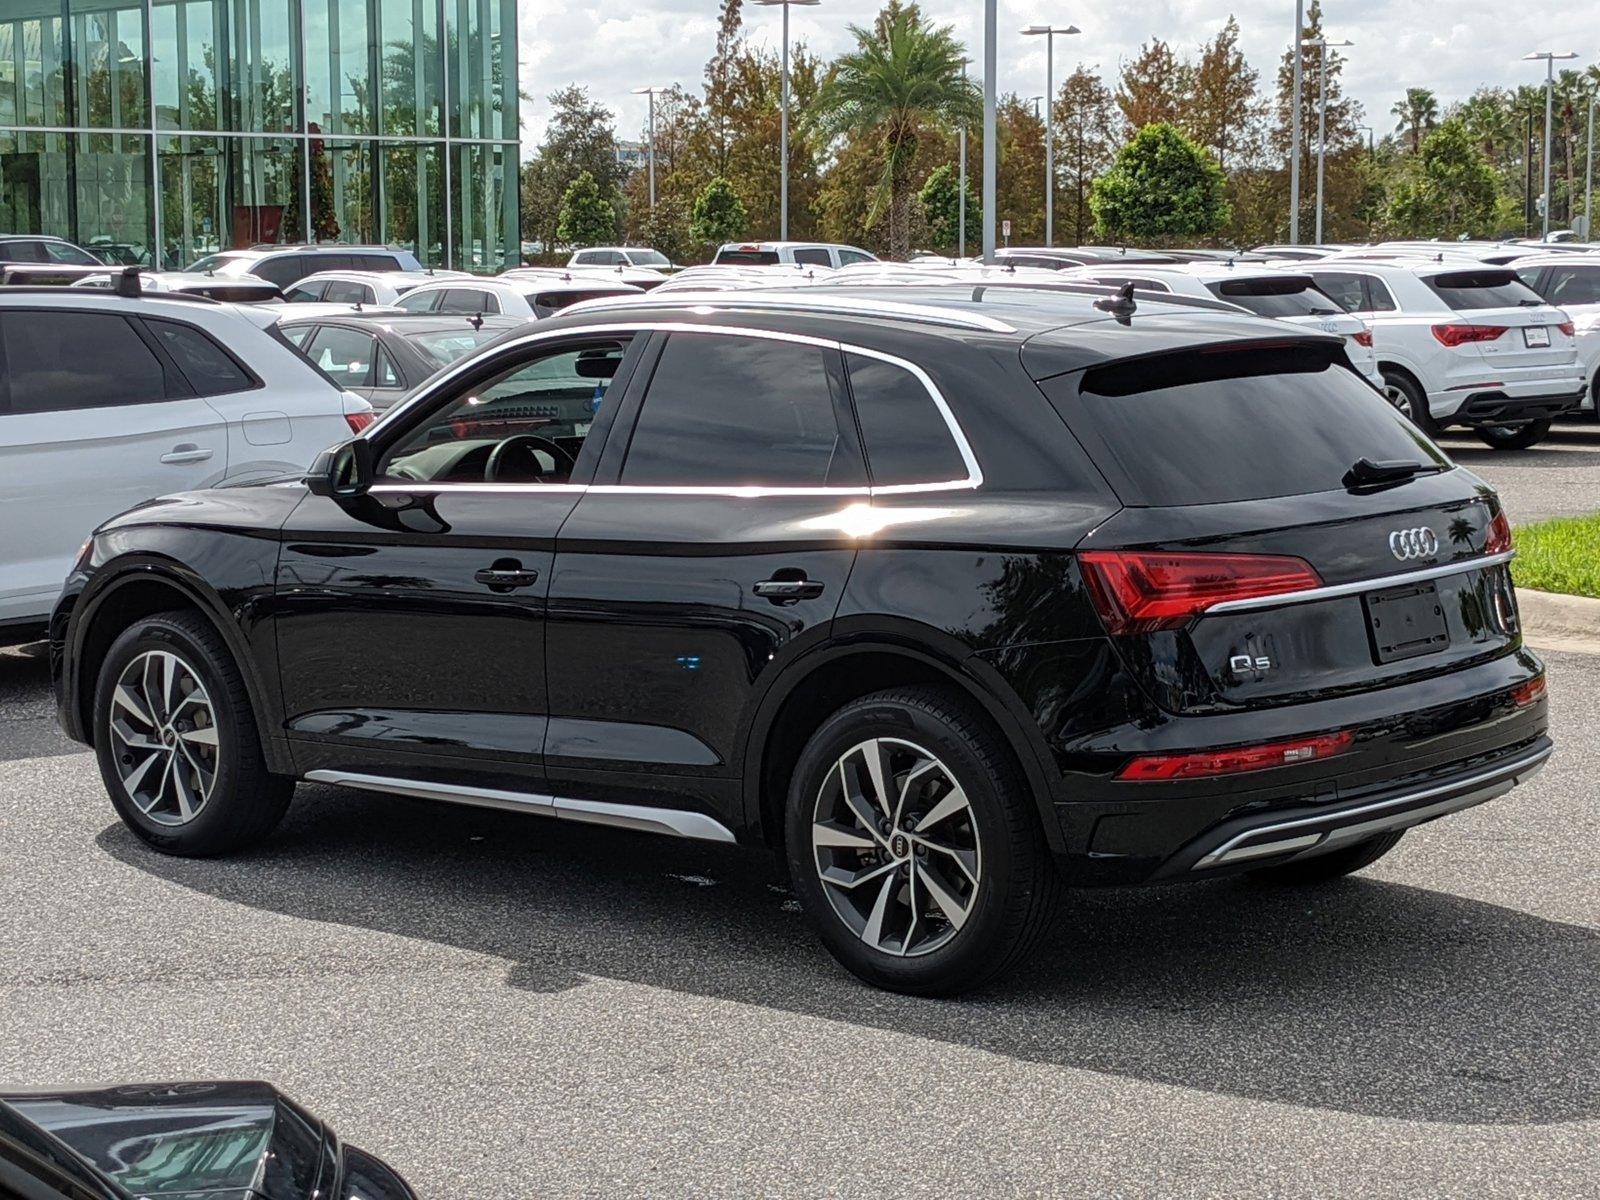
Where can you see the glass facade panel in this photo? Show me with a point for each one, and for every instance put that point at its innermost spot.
(192, 132)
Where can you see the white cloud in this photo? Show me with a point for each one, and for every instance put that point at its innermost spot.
(1453, 49)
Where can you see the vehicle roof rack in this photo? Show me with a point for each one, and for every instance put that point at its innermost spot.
(810, 301)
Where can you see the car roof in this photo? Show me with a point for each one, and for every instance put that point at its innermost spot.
(400, 321)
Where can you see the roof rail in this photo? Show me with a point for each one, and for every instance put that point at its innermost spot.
(810, 302)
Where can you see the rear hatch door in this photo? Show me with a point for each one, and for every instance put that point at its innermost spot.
(1296, 299)
(1537, 334)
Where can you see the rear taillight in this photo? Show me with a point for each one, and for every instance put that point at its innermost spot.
(1568, 328)
(1459, 335)
(1498, 540)
(1208, 763)
(359, 420)
(1364, 338)
(1142, 591)
(1528, 693)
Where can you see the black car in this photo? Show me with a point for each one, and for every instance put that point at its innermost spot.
(382, 356)
(954, 594)
(199, 1141)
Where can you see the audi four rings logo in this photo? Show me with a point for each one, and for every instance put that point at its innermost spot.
(1406, 544)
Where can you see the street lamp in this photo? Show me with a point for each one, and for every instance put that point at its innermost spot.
(1372, 140)
(1588, 177)
(1294, 125)
(1049, 33)
(1548, 57)
(1321, 45)
(651, 92)
(991, 161)
(783, 142)
(961, 139)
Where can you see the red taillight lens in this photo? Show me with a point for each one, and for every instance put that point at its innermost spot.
(1209, 763)
(359, 420)
(1140, 592)
(1568, 328)
(1458, 335)
(1364, 338)
(1528, 693)
(1498, 539)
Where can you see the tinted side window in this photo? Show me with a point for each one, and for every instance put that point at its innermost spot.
(1574, 285)
(282, 269)
(304, 292)
(732, 411)
(813, 256)
(49, 371)
(906, 437)
(420, 301)
(1379, 297)
(344, 355)
(846, 257)
(1344, 290)
(341, 292)
(210, 369)
(468, 300)
(374, 262)
(586, 257)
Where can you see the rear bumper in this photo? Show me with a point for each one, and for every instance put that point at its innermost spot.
(1500, 408)
(1281, 835)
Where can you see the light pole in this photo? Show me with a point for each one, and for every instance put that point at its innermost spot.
(1321, 45)
(1372, 140)
(961, 143)
(1049, 32)
(1588, 177)
(1294, 125)
(991, 33)
(1548, 57)
(651, 92)
(783, 137)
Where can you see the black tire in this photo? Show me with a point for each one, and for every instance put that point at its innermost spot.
(1336, 864)
(245, 801)
(1514, 437)
(1410, 401)
(1015, 895)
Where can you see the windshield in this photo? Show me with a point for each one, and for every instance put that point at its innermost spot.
(446, 347)
(1292, 297)
(754, 258)
(649, 258)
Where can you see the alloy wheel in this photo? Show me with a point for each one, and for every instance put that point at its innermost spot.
(164, 737)
(1397, 396)
(896, 847)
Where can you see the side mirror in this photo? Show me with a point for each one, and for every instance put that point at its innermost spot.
(343, 471)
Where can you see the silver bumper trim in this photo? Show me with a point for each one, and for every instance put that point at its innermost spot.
(1309, 595)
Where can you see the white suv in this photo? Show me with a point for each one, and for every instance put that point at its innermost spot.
(107, 401)
(1572, 283)
(1266, 291)
(621, 256)
(806, 254)
(1462, 343)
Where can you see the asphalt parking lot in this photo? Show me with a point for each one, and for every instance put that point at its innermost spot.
(508, 1007)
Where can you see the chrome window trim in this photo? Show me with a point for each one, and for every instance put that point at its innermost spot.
(973, 480)
(1310, 595)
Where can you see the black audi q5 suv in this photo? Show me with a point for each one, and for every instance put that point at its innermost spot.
(953, 595)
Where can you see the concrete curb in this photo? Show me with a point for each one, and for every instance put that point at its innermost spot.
(1552, 621)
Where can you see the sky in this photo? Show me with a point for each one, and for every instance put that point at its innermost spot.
(1451, 47)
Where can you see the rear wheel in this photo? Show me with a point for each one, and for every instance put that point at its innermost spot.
(1409, 400)
(1333, 865)
(914, 847)
(1514, 437)
(177, 742)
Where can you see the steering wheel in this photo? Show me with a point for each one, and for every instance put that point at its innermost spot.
(526, 443)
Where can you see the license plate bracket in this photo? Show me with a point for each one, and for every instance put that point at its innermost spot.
(1536, 337)
(1406, 622)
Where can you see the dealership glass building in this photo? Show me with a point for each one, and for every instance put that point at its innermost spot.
(158, 131)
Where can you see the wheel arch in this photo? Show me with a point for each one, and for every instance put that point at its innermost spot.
(831, 676)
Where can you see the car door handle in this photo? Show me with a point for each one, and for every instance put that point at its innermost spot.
(787, 591)
(506, 575)
(186, 452)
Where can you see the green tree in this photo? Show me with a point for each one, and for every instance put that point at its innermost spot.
(1088, 134)
(580, 138)
(1155, 87)
(903, 78)
(587, 217)
(1161, 186)
(940, 198)
(1344, 187)
(718, 215)
(1416, 116)
(1451, 191)
(1223, 113)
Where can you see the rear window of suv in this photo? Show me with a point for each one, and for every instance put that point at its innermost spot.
(748, 258)
(1468, 290)
(1223, 425)
(1295, 296)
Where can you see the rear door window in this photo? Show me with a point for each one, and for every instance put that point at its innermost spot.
(1573, 285)
(303, 292)
(1344, 290)
(420, 301)
(813, 256)
(1465, 291)
(727, 411)
(906, 437)
(345, 292)
(210, 370)
(283, 269)
(374, 262)
(344, 355)
(48, 370)
(1223, 425)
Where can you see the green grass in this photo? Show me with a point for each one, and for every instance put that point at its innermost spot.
(1562, 555)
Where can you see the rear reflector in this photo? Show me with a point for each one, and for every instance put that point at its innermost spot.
(359, 420)
(1364, 338)
(1143, 591)
(1208, 763)
(1525, 694)
(1457, 335)
(1498, 539)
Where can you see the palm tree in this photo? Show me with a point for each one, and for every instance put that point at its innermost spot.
(1418, 113)
(903, 77)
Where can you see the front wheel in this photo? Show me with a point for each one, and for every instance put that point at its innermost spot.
(1514, 437)
(914, 846)
(177, 743)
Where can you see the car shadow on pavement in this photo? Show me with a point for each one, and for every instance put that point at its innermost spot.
(1362, 996)
(1578, 445)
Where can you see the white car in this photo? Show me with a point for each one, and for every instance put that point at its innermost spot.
(535, 298)
(1290, 296)
(109, 401)
(620, 256)
(362, 287)
(235, 290)
(1572, 283)
(702, 278)
(1462, 343)
(643, 278)
(805, 254)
